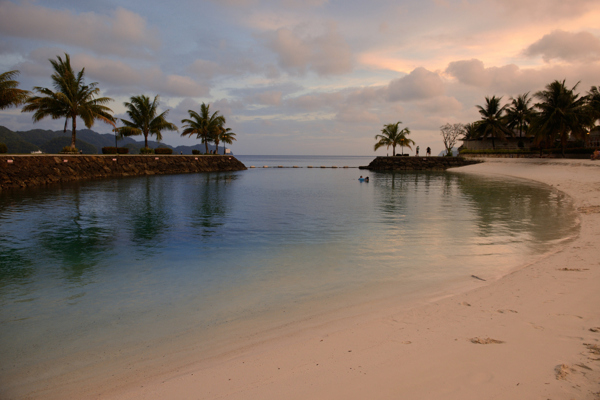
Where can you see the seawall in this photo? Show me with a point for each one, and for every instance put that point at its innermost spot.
(19, 171)
(417, 163)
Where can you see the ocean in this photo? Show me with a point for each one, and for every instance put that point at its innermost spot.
(98, 272)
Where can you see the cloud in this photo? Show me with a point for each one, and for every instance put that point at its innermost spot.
(122, 33)
(269, 98)
(121, 78)
(349, 114)
(325, 54)
(419, 84)
(568, 46)
(548, 9)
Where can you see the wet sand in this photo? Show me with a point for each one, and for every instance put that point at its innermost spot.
(532, 334)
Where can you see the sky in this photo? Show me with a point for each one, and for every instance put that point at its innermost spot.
(313, 77)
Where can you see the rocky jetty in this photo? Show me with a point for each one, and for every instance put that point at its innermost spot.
(417, 163)
(19, 171)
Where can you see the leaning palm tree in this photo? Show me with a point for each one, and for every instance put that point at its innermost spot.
(519, 113)
(204, 125)
(492, 123)
(144, 119)
(70, 99)
(10, 95)
(562, 113)
(391, 136)
(226, 136)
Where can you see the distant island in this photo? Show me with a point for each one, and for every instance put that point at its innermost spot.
(88, 141)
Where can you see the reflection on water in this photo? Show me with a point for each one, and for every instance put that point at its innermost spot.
(139, 259)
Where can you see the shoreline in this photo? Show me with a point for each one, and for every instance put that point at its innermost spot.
(541, 313)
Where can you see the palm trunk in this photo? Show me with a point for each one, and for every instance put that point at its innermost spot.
(217, 147)
(146, 140)
(73, 136)
(206, 145)
(394, 151)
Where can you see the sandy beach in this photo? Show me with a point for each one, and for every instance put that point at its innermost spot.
(532, 334)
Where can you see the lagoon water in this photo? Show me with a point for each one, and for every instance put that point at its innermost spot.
(89, 271)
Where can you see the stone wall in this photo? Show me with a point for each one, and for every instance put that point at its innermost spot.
(417, 163)
(24, 170)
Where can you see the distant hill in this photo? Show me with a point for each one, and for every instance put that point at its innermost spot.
(15, 143)
(55, 146)
(87, 140)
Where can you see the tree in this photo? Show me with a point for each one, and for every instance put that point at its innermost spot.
(561, 113)
(391, 136)
(593, 98)
(226, 136)
(144, 119)
(470, 131)
(492, 122)
(10, 95)
(450, 134)
(519, 113)
(72, 98)
(204, 125)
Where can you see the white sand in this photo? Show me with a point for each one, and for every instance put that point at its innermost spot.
(536, 333)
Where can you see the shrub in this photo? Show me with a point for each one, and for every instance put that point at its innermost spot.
(123, 150)
(163, 150)
(146, 150)
(196, 152)
(3, 148)
(69, 150)
(109, 150)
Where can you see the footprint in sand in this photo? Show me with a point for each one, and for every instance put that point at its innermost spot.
(561, 371)
(477, 340)
(507, 311)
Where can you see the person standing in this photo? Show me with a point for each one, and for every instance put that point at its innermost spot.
(417, 152)
(428, 151)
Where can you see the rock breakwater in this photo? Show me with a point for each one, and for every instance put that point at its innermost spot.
(19, 171)
(417, 163)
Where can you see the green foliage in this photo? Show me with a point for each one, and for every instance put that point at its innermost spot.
(71, 98)
(10, 95)
(146, 150)
(561, 113)
(492, 122)
(196, 152)
(144, 119)
(56, 145)
(163, 150)
(3, 148)
(123, 150)
(109, 150)
(204, 125)
(392, 136)
(69, 150)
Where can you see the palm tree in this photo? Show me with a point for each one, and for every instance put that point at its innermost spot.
(204, 125)
(391, 136)
(9, 94)
(593, 98)
(72, 98)
(470, 131)
(144, 120)
(519, 113)
(561, 113)
(226, 136)
(492, 123)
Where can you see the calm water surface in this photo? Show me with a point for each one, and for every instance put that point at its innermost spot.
(108, 263)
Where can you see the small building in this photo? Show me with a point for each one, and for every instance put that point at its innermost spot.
(511, 143)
